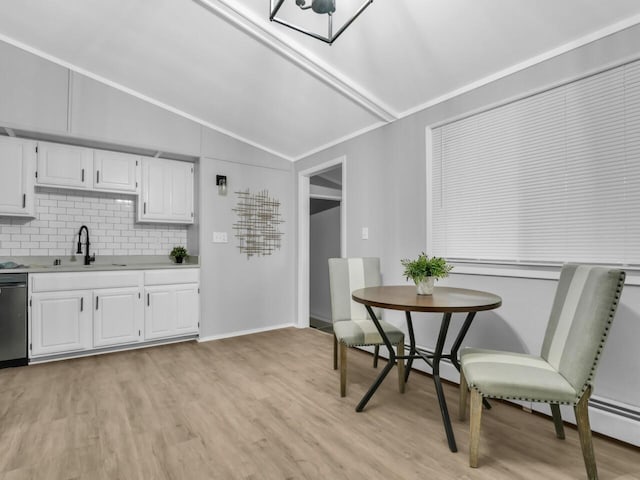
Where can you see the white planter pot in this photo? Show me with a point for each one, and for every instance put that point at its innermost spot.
(425, 287)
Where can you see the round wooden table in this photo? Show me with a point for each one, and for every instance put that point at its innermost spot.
(446, 300)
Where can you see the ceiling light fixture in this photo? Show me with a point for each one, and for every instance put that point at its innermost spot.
(322, 7)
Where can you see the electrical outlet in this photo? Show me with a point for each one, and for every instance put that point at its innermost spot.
(365, 233)
(220, 237)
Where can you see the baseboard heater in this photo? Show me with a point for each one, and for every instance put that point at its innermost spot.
(604, 405)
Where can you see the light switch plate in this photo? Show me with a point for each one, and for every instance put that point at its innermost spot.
(220, 237)
(365, 233)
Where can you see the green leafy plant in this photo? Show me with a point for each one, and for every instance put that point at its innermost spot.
(423, 267)
(179, 252)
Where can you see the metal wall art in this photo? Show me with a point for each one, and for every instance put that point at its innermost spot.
(257, 226)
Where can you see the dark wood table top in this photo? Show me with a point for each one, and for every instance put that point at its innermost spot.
(443, 299)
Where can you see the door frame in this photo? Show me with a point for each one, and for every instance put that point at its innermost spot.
(304, 192)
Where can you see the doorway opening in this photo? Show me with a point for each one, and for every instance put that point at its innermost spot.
(321, 235)
(325, 199)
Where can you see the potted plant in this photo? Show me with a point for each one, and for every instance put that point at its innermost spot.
(424, 271)
(179, 253)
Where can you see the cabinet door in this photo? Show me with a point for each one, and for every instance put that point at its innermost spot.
(155, 190)
(60, 322)
(116, 317)
(181, 191)
(64, 165)
(115, 171)
(17, 164)
(187, 309)
(160, 313)
(166, 191)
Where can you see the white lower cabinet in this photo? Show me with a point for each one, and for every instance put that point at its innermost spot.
(60, 322)
(75, 312)
(117, 318)
(159, 317)
(188, 308)
(171, 310)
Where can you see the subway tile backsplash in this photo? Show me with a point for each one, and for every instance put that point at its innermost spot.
(111, 222)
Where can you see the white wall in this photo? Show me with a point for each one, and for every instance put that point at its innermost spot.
(34, 91)
(386, 192)
(324, 243)
(240, 294)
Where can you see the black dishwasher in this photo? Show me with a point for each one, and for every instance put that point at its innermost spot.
(13, 319)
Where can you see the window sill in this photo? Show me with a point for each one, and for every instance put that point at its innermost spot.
(536, 272)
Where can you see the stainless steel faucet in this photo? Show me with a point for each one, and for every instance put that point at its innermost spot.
(87, 258)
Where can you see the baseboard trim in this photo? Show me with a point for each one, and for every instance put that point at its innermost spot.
(111, 349)
(322, 318)
(241, 333)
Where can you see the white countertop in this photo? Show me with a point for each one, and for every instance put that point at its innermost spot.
(75, 264)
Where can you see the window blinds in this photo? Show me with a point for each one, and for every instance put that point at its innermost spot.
(554, 177)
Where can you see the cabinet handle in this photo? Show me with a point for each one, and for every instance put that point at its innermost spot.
(148, 300)
(81, 304)
(97, 302)
(24, 200)
(83, 175)
(98, 176)
(144, 208)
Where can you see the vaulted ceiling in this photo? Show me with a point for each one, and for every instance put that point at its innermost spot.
(222, 63)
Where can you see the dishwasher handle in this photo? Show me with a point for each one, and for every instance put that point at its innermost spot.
(7, 286)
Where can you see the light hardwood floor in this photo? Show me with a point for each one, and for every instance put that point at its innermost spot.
(263, 406)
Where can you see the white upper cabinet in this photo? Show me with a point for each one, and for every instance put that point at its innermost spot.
(64, 165)
(181, 191)
(166, 194)
(115, 171)
(17, 164)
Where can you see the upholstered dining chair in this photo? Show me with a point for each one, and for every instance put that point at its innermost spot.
(583, 309)
(351, 324)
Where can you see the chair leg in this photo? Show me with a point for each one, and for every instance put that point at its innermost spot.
(343, 369)
(376, 352)
(335, 352)
(474, 424)
(464, 391)
(584, 432)
(557, 420)
(400, 363)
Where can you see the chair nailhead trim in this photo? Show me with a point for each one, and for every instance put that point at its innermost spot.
(525, 399)
(595, 362)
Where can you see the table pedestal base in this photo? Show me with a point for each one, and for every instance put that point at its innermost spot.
(432, 359)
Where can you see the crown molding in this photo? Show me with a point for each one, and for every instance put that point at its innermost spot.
(549, 54)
